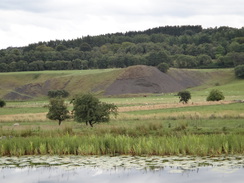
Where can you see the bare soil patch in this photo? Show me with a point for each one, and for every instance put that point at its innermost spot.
(147, 79)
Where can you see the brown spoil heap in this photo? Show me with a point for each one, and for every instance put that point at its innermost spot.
(148, 79)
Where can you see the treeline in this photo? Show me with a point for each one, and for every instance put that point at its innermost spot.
(178, 46)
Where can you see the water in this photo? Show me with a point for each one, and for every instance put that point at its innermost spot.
(80, 169)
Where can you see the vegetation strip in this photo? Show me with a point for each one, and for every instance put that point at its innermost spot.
(198, 145)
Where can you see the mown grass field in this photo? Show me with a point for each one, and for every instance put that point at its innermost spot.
(151, 125)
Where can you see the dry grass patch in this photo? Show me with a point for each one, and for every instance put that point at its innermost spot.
(24, 117)
(165, 106)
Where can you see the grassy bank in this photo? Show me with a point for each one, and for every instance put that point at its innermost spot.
(200, 137)
(212, 145)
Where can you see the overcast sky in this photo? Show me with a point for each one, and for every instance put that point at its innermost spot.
(29, 21)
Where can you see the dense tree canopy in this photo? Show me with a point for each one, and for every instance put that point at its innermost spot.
(178, 46)
(57, 110)
(239, 71)
(184, 96)
(88, 109)
(2, 103)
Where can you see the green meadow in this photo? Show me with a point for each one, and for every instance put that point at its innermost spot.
(155, 124)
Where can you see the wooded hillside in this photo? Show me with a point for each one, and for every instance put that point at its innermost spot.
(178, 46)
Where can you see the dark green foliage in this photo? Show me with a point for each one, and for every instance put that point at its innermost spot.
(215, 95)
(184, 96)
(58, 93)
(89, 109)
(2, 103)
(178, 46)
(61, 47)
(204, 60)
(163, 67)
(156, 58)
(85, 47)
(239, 71)
(57, 110)
(185, 61)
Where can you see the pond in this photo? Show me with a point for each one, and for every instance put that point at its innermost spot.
(104, 169)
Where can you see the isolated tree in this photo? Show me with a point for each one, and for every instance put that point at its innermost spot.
(215, 95)
(90, 110)
(239, 71)
(184, 96)
(57, 110)
(2, 103)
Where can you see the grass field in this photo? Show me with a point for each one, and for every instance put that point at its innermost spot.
(87, 79)
(146, 125)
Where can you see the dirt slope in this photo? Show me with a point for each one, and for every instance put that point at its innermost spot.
(146, 79)
(132, 80)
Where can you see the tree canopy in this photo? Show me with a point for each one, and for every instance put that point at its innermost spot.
(239, 71)
(57, 110)
(178, 46)
(88, 109)
(2, 103)
(184, 96)
(57, 93)
(215, 95)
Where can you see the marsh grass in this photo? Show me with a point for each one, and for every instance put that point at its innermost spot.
(198, 137)
(108, 144)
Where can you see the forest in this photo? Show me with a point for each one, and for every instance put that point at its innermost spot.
(178, 46)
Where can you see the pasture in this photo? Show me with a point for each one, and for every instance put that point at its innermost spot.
(147, 124)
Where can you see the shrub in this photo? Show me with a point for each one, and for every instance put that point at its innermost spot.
(2, 103)
(58, 93)
(163, 67)
(239, 71)
(215, 95)
(184, 96)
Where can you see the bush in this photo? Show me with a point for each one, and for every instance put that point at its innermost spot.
(215, 95)
(163, 67)
(58, 93)
(184, 96)
(2, 103)
(239, 71)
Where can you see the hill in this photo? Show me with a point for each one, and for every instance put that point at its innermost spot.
(131, 80)
(178, 46)
(148, 79)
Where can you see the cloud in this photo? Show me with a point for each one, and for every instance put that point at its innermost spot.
(24, 5)
(27, 21)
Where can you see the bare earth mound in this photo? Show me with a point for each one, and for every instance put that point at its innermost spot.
(132, 80)
(147, 79)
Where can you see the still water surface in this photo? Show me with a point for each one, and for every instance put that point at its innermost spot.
(121, 169)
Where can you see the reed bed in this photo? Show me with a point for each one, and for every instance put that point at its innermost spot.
(108, 144)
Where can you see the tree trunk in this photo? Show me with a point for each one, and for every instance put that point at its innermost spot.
(59, 122)
(90, 122)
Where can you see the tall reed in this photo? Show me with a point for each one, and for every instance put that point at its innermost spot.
(200, 145)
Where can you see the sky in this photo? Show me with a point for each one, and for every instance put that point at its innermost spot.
(23, 22)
